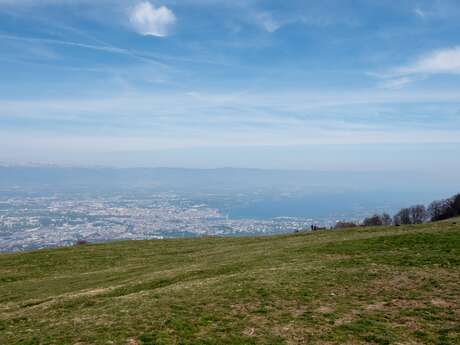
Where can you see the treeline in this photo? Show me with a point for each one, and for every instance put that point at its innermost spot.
(417, 214)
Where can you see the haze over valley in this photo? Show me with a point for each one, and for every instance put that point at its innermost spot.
(51, 206)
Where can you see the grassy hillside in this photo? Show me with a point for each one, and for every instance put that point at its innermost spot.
(398, 285)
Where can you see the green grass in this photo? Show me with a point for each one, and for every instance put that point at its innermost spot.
(397, 285)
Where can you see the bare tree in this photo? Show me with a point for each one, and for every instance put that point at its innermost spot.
(456, 204)
(442, 209)
(345, 224)
(402, 217)
(435, 210)
(374, 220)
(386, 219)
(418, 214)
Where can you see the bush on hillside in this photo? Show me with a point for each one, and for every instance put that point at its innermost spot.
(344, 224)
(377, 220)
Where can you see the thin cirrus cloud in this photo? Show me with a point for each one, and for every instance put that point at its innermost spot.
(149, 20)
(396, 83)
(440, 62)
(419, 12)
(444, 61)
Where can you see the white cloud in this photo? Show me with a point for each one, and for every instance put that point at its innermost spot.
(444, 61)
(148, 20)
(267, 21)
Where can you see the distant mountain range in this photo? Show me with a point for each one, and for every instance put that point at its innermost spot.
(52, 177)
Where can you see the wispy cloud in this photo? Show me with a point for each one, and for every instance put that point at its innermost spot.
(396, 83)
(267, 22)
(148, 20)
(443, 61)
(165, 120)
(419, 12)
(225, 112)
(104, 48)
(99, 47)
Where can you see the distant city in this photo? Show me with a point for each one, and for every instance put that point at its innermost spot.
(44, 207)
(38, 222)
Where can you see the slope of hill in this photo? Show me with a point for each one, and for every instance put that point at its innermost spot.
(398, 285)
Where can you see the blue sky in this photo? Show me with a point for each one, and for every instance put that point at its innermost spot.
(330, 84)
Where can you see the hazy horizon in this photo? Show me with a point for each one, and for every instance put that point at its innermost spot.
(43, 206)
(424, 159)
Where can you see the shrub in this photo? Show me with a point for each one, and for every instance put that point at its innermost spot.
(375, 220)
(345, 224)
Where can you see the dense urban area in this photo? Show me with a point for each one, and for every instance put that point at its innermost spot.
(41, 221)
(34, 221)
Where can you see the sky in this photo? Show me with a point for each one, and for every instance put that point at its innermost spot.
(332, 84)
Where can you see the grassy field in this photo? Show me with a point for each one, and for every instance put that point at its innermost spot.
(397, 285)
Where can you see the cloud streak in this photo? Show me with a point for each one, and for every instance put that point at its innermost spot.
(102, 47)
(443, 61)
(419, 12)
(440, 62)
(223, 113)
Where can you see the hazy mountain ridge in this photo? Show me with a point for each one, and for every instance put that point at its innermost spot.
(187, 179)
